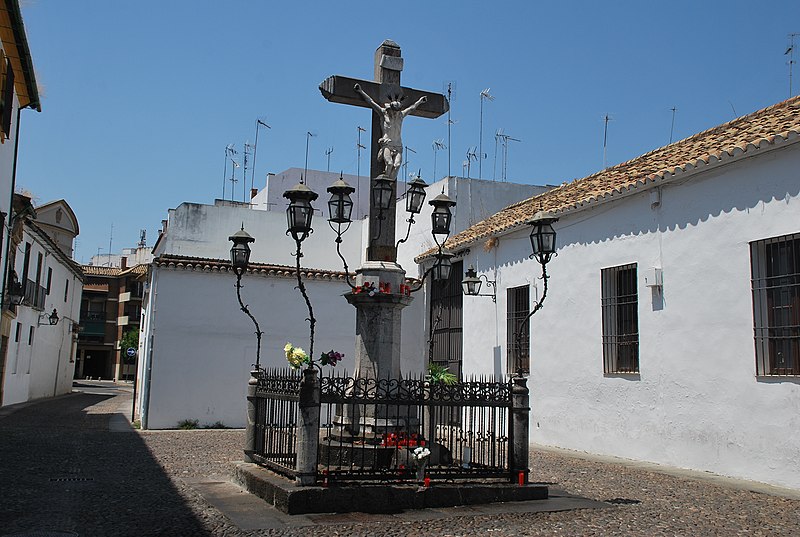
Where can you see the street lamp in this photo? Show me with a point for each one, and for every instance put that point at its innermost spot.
(240, 259)
(415, 196)
(543, 244)
(441, 215)
(340, 207)
(52, 318)
(299, 212)
(382, 194)
(442, 267)
(15, 290)
(299, 215)
(471, 284)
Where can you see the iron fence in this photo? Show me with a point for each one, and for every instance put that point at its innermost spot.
(370, 428)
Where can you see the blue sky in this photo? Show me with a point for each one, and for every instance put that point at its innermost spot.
(141, 98)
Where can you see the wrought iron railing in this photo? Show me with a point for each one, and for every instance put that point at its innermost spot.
(369, 428)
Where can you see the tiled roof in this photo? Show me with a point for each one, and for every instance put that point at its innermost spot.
(757, 132)
(93, 270)
(201, 264)
(100, 287)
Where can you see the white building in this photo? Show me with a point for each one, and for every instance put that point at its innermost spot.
(667, 265)
(41, 349)
(19, 91)
(197, 347)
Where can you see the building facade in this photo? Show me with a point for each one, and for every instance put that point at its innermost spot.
(670, 331)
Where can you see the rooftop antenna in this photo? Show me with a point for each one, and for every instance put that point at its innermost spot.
(259, 123)
(359, 147)
(229, 150)
(405, 159)
(328, 153)
(672, 127)
(142, 238)
(790, 52)
(110, 238)
(471, 155)
(437, 145)
(485, 96)
(233, 179)
(247, 148)
(451, 97)
(309, 135)
(606, 119)
(498, 136)
(506, 139)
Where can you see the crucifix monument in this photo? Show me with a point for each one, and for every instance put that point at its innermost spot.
(381, 292)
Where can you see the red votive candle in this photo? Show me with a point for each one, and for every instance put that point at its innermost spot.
(427, 481)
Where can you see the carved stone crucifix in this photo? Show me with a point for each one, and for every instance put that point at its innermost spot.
(384, 96)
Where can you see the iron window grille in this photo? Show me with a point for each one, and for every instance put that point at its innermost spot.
(620, 311)
(518, 306)
(775, 269)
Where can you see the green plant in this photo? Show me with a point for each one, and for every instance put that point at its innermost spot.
(136, 424)
(188, 424)
(216, 425)
(441, 374)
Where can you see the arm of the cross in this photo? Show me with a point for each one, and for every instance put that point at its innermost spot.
(340, 89)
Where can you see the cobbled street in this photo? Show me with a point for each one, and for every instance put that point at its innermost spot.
(72, 464)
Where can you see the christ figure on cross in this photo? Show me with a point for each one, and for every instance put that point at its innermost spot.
(391, 151)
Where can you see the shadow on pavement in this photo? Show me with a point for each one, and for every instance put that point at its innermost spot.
(62, 469)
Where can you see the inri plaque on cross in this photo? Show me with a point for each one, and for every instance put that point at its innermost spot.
(390, 102)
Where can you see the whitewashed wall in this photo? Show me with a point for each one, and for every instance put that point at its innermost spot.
(203, 346)
(43, 366)
(697, 402)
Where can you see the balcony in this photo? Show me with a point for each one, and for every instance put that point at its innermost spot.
(34, 295)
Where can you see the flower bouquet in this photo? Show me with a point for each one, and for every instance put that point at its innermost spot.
(296, 356)
(421, 457)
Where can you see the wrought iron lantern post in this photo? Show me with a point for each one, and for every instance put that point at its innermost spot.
(340, 208)
(543, 243)
(240, 259)
(415, 196)
(299, 215)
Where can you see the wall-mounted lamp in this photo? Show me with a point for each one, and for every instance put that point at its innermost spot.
(471, 284)
(15, 291)
(52, 318)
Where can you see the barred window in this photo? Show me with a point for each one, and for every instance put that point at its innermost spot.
(518, 301)
(620, 309)
(775, 266)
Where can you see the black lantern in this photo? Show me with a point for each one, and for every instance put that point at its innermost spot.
(52, 319)
(240, 251)
(299, 212)
(441, 215)
(340, 206)
(543, 236)
(441, 270)
(382, 193)
(415, 195)
(15, 290)
(471, 283)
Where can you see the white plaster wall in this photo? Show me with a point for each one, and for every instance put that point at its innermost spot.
(697, 402)
(202, 231)
(45, 367)
(202, 373)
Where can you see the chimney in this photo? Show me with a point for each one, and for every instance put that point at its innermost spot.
(123, 263)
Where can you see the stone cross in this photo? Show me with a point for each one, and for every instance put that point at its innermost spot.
(385, 88)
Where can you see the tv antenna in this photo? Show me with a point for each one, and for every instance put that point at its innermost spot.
(359, 147)
(229, 152)
(247, 151)
(233, 179)
(672, 127)
(142, 238)
(606, 119)
(405, 160)
(259, 123)
(790, 52)
(504, 139)
(328, 153)
(437, 145)
(309, 135)
(498, 136)
(471, 155)
(485, 96)
(450, 88)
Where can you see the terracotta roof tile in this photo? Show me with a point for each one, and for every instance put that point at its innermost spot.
(760, 130)
(93, 270)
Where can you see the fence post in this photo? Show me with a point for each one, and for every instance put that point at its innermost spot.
(520, 423)
(250, 430)
(308, 428)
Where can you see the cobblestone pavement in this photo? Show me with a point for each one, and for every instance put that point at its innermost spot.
(62, 469)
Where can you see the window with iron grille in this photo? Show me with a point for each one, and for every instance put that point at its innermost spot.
(446, 321)
(620, 310)
(775, 269)
(518, 300)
